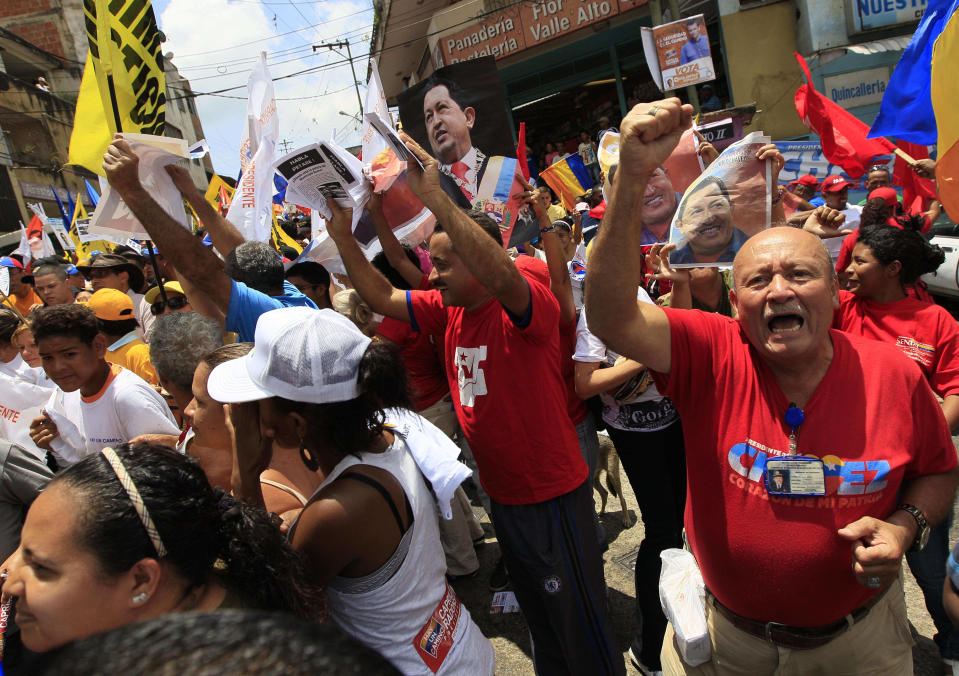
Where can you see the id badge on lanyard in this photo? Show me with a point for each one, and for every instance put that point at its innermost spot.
(795, 475)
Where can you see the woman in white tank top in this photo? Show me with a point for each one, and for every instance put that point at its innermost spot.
(369, 533)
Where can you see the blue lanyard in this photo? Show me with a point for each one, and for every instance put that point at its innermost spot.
(794, 418)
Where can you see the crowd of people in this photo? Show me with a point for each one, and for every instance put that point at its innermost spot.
(252, 444)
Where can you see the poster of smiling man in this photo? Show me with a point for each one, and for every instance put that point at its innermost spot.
(459, 115)
(723, 208)
(678, 53)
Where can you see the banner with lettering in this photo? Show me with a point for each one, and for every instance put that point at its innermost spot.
(123, 81)
(251, 210)
(678, 53)
(458, 114)
(523, 26)
(20, 402)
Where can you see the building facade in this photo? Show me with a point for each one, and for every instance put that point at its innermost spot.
(564, 63)
(43, 48)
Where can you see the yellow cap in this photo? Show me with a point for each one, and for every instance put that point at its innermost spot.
(153, 295)
(111, 305)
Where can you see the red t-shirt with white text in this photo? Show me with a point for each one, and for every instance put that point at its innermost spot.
(925, 332)
(873, 421)
(508, 394)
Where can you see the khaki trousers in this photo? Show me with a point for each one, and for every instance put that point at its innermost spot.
(879, 644)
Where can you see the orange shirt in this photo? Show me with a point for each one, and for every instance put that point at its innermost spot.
(23, 304)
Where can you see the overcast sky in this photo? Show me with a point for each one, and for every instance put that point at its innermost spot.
(216, 42)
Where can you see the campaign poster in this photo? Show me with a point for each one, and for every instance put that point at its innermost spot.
(725, 206)
(664, 188)
(459, 115)
(678, 53)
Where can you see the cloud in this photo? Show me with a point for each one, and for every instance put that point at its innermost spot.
(216, 42)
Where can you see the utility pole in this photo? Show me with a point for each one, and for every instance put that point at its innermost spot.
(285, 145)
(349, 57)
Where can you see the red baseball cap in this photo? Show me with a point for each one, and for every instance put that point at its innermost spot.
(807, 180)
(835, 184)
(887, 195)
(8, 262)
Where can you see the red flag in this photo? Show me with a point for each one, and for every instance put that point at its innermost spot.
(843, 137)
(521, 151)
(916, 192)
(35, 228)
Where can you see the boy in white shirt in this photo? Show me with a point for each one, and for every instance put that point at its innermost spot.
(96, 404)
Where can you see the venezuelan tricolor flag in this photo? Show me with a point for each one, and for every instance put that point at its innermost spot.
(569, 178)
(945, 103)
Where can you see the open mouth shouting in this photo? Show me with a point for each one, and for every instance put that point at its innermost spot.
(785, 319)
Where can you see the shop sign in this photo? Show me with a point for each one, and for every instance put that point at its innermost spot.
(870, 15)
(859, 88)
(514, 29)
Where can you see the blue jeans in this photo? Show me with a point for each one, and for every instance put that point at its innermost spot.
(929, 569)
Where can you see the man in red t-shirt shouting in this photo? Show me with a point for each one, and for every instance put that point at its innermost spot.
(497, 325)
(805, 573)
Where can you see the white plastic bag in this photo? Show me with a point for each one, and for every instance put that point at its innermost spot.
(683, 595)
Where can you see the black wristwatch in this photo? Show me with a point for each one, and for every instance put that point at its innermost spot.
(922, 534)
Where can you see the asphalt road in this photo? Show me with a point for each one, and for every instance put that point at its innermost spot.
(511, 640)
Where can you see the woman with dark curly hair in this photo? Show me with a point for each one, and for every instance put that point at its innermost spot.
(369, 532)
(135, 532)
(887, 261)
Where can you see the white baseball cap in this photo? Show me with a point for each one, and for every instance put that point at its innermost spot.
(300, 354)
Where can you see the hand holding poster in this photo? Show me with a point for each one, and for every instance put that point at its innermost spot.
(321, 170)
(459, 114)
(725, 206)
(113, 220)
(678, 53)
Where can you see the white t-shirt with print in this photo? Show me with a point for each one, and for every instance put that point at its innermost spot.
(125, 408)
(647, 411)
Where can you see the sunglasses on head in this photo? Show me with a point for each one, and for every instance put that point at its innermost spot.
(175, 303)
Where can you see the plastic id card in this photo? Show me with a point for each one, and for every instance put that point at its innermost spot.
(794, 476)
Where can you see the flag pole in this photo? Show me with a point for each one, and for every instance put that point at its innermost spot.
(119, 125)
(906, 156)
(4, 299)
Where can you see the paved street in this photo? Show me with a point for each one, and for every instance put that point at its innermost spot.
(508, 632)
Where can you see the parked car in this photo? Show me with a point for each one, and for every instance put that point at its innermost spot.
(945, 280)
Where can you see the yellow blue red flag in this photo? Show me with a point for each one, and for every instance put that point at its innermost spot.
(945, 98)
(569, 178)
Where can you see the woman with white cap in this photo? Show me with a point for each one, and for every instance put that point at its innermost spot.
(369, 533)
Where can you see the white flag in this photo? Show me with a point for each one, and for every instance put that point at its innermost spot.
(251, 211)
(24, 248)
(373, 143)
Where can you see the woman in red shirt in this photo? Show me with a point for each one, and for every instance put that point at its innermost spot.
(886, 260)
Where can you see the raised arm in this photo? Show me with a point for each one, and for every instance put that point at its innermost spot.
(559, 282)
(392, 248)
(648, 134)
(488, 263)
(223, 234)
(187, 253)
(373, 287)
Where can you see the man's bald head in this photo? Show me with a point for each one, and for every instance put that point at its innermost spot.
(783, 239)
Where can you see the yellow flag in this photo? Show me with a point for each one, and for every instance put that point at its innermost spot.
(123, 86)
(945, 52)
(280, 237)
(84, 248)
(219, 193)
(91, 135)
